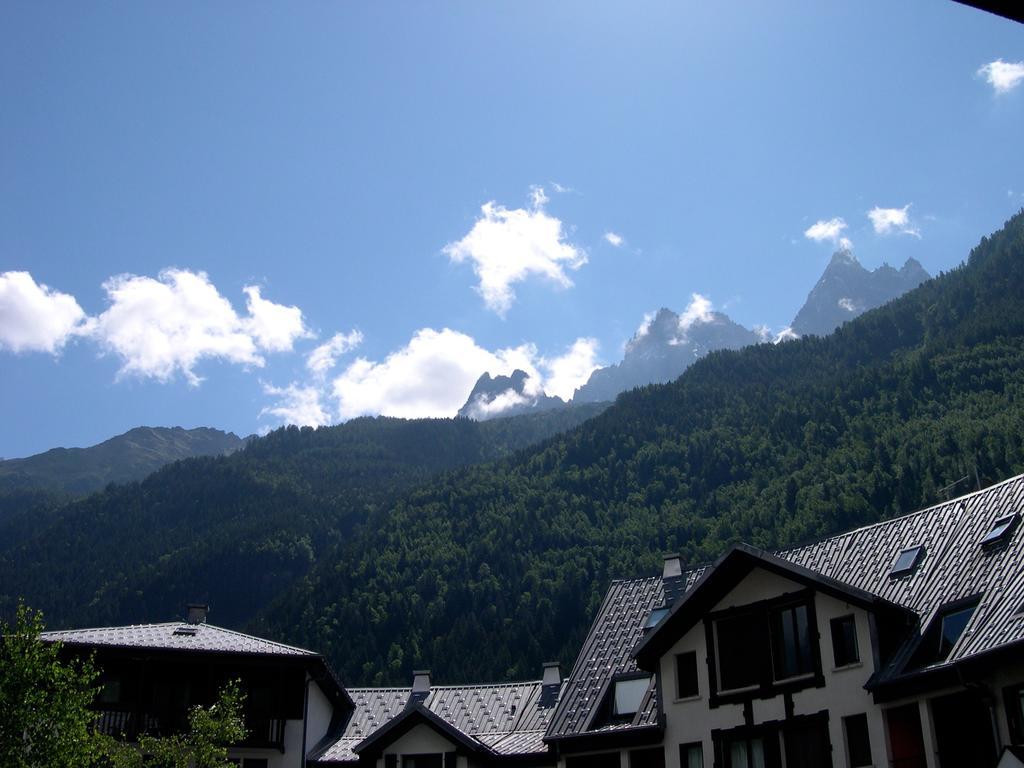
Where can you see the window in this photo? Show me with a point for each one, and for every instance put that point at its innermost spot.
(907, 561)
(767, 647)
(844, 641)
(110, 693)
(806, 742)
(656, 615)
(738, 668)
(652, 757)
(686, 675)
(942, 634)
(1000, 531)
(791, 642)
(858, 743)
(628, 695)
(691, 755)
(422, 761)
(605, 760)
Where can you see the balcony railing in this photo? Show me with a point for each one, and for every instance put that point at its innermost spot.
(263, 733)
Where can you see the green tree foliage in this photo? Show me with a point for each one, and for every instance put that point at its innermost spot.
(45, 720)
(204, 745)
(389, 544)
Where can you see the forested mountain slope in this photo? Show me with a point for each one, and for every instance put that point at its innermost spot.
(486, 571)
(121, 459)
(233, 530)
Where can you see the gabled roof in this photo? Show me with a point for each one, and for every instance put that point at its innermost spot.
(606, 653)
(181, 637)
(724, 575)
(409, 718)
(175, 636)
(503, 720)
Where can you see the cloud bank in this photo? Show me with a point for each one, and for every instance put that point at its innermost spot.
(158, 327)
(507, 247)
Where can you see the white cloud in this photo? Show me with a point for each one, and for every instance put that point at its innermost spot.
(786, 334)
(565, 374)
(481, 409)
(828, 231)
(297, 405)
(645, 325)
(159, 327)
(699, 310)
(848, 304)
(508, 246)
(1003, 76)
(429, 377)
(764, 333)
(434, 373)
(34, 317)
(275, 327)
(888, 221)
(614, 239)
(323, 358)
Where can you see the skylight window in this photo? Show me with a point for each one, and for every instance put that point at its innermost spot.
(907, 561)
(628, 695)
(943, 633)
(656, 615)
(189, 631)
(1001, 530)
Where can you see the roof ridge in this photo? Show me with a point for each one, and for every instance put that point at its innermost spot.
(934, 507)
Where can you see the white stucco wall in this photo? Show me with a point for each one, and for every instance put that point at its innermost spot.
(692, 720)
(318, 720)
(421, 740)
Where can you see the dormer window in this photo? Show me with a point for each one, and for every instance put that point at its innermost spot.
(628, 694)
(1001, 531)
(907, 561)
(943, 633)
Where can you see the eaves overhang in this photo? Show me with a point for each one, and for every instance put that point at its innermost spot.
(726, 573)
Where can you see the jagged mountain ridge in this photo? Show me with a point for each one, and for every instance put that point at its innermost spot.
(506, 396)
(847, 289)
(661, 350)
(126, 457)
(668, 343)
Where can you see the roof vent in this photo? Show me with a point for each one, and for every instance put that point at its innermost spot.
(552, 674)
(673, 567)
(197, 613)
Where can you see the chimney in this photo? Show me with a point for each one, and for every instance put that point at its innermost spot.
(673, 567)
(550, 685)
(197, 613)
(420, 686)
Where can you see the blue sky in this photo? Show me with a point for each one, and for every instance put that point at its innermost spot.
(194, 199)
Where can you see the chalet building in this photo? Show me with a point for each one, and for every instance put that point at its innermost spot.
(897, 644)
(153, 673)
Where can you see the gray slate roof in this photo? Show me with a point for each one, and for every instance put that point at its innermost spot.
(607, 652)
(505, 718)
(168, 636)
(955, 566)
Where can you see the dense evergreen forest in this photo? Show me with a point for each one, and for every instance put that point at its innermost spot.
(388, 545)
(486, 571)
(234, 530)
